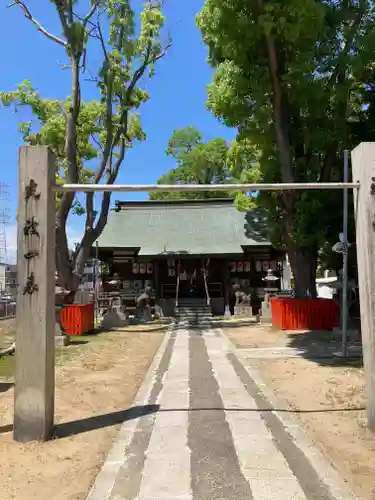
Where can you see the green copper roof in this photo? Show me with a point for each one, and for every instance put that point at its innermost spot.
(189, 227)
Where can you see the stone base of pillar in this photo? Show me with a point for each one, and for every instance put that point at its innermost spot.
(243, 311)
(143, 315)
(61, 339)
(227, 313)
(266, 313)
(114, 319)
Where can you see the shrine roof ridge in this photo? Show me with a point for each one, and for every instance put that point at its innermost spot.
(125, 204)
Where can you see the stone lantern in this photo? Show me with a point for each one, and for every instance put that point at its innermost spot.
(266, 313)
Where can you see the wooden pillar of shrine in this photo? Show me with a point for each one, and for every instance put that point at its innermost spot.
(156, 280)
(226, 284)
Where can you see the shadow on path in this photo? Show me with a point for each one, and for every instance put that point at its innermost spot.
(93, 423)
(100, 421)
(323, 348)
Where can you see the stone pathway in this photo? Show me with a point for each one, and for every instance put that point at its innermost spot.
(202, 429)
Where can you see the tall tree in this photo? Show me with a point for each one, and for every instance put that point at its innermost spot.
(198, 162)
(296, 79)
(90, 139)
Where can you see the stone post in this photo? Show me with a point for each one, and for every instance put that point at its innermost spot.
(363, 168)
(35, 336)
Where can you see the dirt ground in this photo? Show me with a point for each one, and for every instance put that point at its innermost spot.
(97, 379)
(326, 395)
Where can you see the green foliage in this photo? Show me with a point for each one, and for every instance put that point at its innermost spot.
(90, 138)
(319, 101)
(198, 162)
(125, 52)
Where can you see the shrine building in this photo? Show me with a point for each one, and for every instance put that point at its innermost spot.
(187, 249)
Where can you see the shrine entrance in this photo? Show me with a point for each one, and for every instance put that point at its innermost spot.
(36, 315)
(191, 279)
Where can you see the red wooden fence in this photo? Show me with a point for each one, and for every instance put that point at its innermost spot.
(305, 314)
(77, 319)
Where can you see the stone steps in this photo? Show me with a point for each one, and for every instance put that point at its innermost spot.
(194, 312)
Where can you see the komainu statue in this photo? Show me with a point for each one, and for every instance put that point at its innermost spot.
(243, 302)
(116, 316)
(242, 299)
(143, 309)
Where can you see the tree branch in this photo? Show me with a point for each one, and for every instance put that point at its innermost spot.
(91, 12)
(101, 38)
(29, 16)
(114, 173)
(113, 139)
(168, 45)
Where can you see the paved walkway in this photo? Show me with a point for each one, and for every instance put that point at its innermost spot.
(202, 429)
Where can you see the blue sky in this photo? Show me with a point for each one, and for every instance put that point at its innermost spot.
(178, 91)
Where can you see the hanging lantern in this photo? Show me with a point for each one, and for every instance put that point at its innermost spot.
(258, 266)
(233, 267)
(142, 268)
(135, 268)
(240, 267)
(266, 265)
(246, 267)
(150, 268)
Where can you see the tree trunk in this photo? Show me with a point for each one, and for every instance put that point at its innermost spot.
(304, 262)
(70, 276)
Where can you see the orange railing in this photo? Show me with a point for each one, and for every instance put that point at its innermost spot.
(305, 314)
(77, 319)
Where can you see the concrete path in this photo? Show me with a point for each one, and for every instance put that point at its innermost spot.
(202, 429)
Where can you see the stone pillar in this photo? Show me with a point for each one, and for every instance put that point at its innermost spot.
(34, 392)
(363, 167)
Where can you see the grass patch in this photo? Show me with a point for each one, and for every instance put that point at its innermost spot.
(78, 342)
(7, 364)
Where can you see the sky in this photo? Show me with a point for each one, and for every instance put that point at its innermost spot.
(177, 94)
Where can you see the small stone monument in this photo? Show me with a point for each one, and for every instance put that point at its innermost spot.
(143, 309)
(116, 316)
(266, 312)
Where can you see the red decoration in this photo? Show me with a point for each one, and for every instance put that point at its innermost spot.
(240, 267)
(233, 267)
